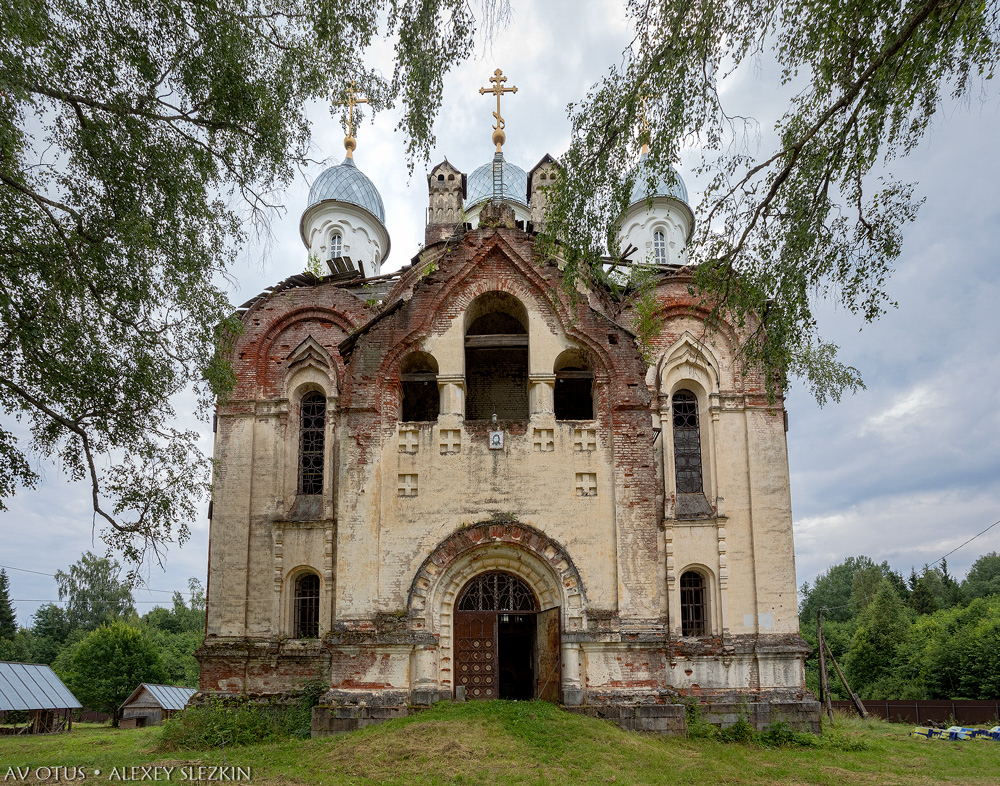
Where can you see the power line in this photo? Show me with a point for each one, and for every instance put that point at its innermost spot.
(44, 600)
(991, 526)
(935, 562)
(53, 575)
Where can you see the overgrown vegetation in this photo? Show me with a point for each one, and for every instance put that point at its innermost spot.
(238, 721)
(925, 637)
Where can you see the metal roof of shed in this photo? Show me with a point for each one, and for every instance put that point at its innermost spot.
(33, 686)
(170, 697)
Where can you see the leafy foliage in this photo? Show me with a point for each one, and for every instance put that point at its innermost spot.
(925, 642)
(224, 722)
(810, 215)
(109, 664)
(93, 592)
(220, 723)
(984, 577)
(139, 143)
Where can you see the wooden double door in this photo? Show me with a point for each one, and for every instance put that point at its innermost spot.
(508, 654)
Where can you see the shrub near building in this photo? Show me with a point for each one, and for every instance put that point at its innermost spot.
(104, 668)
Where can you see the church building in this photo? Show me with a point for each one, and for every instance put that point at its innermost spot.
(456, 481)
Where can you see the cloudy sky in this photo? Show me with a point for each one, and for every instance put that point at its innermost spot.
(903, 471)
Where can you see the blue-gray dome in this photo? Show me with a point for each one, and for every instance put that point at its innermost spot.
(640, 191)
(480, 184)
(346, 183)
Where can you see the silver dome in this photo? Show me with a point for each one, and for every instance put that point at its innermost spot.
(480, 184)
(346, 183)
(640, 191)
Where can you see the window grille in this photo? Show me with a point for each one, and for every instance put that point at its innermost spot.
(336, 246)
(497, 591)
(312, 441)
(307, 606)
(693, 611)
(659, 247)
(687, 443)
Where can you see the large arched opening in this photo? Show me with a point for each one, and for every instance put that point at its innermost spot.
(448, 576)
(496, 647)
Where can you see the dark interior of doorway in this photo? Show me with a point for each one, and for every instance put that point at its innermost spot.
(515, 653)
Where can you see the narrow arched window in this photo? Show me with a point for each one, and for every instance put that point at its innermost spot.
(694, 611)
(312, 443)
(574, 390)
(659, 247)
(307, 606)
(687, 443)
(336, 245)
(418, 378)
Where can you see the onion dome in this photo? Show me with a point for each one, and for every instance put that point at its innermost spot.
(346, 183)
(640, 191)
(480, 184)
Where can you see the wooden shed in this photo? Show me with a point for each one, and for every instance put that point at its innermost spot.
(149, 704)
(33, 700)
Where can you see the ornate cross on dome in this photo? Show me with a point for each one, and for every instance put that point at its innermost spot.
(349, 141)
(499, 137)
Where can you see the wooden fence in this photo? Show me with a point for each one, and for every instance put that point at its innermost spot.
(924, 712)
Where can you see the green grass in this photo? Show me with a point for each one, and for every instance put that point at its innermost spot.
(534, 743)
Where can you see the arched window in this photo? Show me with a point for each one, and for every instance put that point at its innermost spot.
(307, 606)
(496, 358)
(312, 443)
(418, 377)
(574, 393)
(659, 247)
(497, 591)
(694, 609)
(687, 443)
(336, 245)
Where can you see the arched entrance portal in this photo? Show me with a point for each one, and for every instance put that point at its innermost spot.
(505, 648)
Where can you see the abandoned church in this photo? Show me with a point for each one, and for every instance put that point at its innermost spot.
(457, 481)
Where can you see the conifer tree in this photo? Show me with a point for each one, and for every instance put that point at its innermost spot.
(8, 621)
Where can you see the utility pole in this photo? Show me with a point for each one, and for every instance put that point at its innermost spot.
(824, 680)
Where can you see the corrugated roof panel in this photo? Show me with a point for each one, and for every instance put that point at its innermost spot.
(170, 697)
(33, 686)
(480, 184)
(346, 183)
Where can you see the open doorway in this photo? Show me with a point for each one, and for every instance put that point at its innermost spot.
(505, 648)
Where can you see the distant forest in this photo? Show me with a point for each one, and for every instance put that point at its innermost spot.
(926, 636)
(96, 641)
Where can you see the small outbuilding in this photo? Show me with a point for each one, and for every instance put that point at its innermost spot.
(33, 700)
(149, 704)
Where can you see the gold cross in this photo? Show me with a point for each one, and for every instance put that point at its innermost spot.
(349, 141)
(499, 137)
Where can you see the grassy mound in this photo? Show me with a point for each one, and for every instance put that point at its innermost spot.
(507, 743)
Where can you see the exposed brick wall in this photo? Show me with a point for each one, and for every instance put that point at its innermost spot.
(496, 381)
